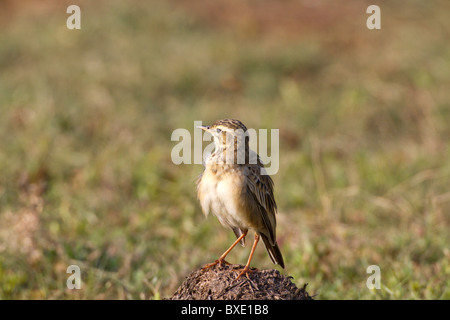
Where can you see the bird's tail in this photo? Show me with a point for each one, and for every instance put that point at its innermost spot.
(273, 250)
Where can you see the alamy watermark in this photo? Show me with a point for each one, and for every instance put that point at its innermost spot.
(374, 281)
(374, 20)
(74, 280)
(74, 20)
(258, 142)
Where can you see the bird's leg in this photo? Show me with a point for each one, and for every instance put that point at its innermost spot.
(246, 269)
(221, 260)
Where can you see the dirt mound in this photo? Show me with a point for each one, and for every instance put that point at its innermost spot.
(219, 283)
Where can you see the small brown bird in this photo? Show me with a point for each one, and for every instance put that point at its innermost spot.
(234, 187)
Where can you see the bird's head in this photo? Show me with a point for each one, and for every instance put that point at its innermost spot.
(227, 132)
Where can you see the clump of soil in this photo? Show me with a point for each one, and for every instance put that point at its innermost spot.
(219, 283)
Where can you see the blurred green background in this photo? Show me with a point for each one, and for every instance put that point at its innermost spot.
(86, 118)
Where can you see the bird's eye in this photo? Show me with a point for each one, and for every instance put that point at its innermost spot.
(218, 130)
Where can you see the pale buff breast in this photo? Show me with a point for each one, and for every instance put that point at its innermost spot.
(223, 194)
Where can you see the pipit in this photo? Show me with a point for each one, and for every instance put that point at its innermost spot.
(234, 187)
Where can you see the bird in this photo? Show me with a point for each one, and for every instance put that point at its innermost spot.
(236, 189)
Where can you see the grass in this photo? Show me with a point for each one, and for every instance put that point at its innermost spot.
(86, 118)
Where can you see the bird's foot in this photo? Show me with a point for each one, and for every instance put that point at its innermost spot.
(245, 271)
(220, 262)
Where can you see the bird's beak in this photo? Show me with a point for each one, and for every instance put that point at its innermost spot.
(206, 128)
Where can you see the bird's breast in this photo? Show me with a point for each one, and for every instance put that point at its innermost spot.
(221, 191)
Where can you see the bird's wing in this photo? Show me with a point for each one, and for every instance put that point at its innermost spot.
(260, 189)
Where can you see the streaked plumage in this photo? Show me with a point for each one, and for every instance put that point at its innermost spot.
(236, 191)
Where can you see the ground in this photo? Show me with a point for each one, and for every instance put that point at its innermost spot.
(219, 283)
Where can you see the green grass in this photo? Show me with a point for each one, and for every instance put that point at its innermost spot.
(86, 176)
